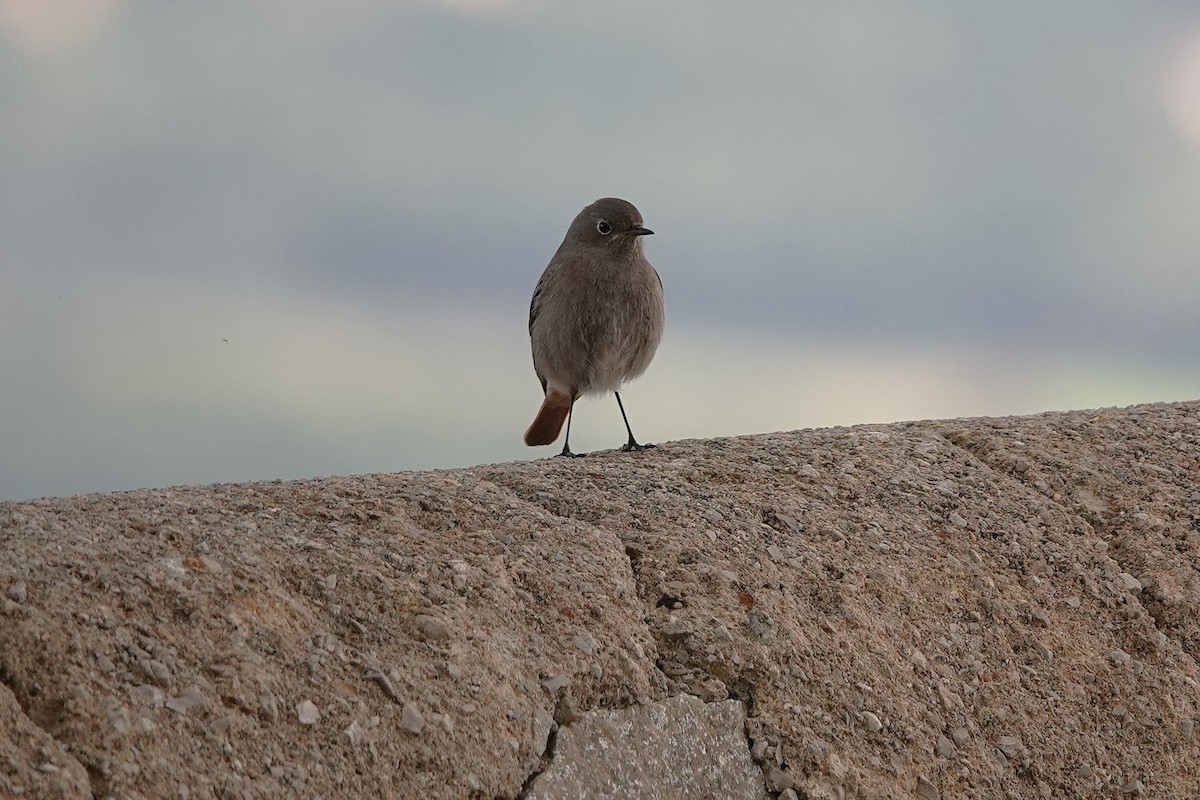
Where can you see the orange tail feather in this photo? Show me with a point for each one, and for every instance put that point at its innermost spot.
(549, 420)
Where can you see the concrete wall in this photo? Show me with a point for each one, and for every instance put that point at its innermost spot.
(967, 608)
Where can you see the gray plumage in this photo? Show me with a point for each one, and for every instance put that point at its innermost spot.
(597, 314)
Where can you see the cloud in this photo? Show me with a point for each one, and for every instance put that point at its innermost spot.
(864, 212)
(46, 27)
(702, 385)
(187, 384)
(487, 6)
(1180, 88)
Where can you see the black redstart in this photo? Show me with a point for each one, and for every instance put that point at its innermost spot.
(596, 317)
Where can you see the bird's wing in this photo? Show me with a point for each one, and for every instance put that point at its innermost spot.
(534, 308)
(533, 305)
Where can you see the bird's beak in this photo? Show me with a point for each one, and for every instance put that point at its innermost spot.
(638, 230)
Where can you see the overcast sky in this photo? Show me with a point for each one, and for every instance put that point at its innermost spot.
(286, 238)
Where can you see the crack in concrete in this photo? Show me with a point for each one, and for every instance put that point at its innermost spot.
(741, 690)
(1098, 525)
(91, 776)
(631, 552)
(544, 762)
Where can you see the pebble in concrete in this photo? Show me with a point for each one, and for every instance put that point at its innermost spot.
(307, 712)
(412, 719)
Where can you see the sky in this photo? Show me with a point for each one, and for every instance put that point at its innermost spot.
(281, 239)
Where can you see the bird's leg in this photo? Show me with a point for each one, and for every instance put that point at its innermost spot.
(632, 444)
(566, 451)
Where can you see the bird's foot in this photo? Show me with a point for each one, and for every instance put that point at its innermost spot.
(632, 447)
(566, 453)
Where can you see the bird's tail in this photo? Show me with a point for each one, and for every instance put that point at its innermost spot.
(549, 420)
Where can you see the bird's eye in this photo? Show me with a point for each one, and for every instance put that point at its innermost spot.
(603, 228)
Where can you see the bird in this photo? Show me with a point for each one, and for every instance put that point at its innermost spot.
(596, 317)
